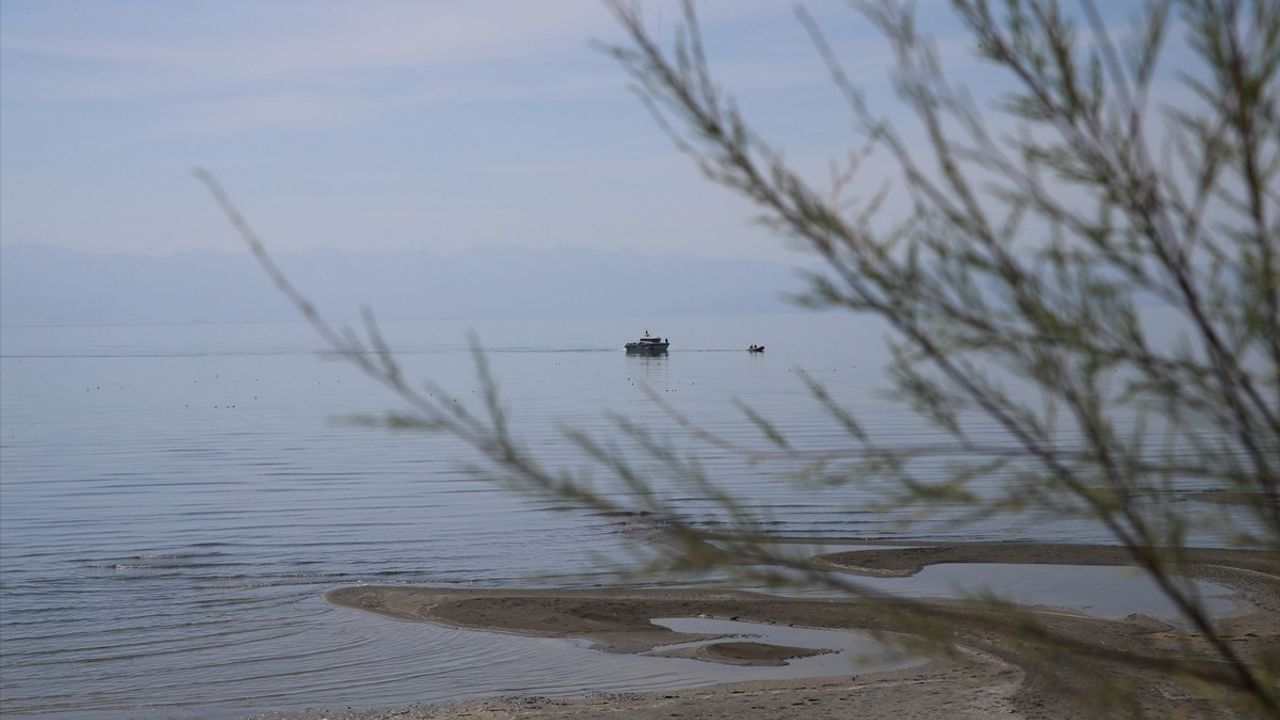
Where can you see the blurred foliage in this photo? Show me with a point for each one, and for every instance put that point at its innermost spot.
(1014, 285)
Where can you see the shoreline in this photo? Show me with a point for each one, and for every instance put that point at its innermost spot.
(905, 561)
(983, 674)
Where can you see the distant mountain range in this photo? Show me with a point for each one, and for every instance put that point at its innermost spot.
(45, 285)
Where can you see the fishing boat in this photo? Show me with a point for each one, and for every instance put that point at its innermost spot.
(755, 349)
(648, 345)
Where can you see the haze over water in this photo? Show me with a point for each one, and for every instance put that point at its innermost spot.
(174, 500)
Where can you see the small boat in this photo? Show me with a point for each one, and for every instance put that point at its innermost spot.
(648, 345)
(755, 349)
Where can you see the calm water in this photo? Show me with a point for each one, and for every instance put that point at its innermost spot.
(174, 501)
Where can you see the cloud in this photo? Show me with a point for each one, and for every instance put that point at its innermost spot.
(223, 67)
(292, 110)
(234, 41)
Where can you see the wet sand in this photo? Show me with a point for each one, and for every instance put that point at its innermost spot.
(744, 653)
(983, 674)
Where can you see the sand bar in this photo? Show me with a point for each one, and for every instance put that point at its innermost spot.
(985, 675)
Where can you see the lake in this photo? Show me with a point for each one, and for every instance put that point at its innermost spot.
(174, 500)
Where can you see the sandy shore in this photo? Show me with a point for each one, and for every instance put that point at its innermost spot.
(957, 691)
(985, 673)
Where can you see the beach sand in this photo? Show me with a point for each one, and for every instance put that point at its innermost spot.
(976, 672)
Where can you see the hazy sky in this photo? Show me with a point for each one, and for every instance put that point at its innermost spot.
(390, 125)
